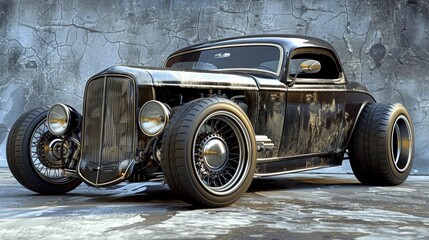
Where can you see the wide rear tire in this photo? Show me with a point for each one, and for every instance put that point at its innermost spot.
(31, 155)
(209, 153)
(381, 150)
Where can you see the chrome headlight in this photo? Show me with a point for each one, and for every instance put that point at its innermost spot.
(62, 119)
(58, 119)
(153, 118)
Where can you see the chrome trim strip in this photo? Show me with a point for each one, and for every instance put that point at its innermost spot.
(279, 159)
(273, 89)
(316, 81)
(321, 88)
(328, 90)
(100, 150)
(118, 180)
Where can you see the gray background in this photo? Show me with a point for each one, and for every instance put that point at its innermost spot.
(48, 49)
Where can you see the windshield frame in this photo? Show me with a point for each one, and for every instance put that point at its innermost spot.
(279, 67)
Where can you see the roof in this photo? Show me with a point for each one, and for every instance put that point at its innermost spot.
(289, 42)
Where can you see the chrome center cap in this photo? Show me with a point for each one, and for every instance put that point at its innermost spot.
(215, 153)
(55, 148)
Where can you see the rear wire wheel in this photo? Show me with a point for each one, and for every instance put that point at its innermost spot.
(208, 153)
(381, 150)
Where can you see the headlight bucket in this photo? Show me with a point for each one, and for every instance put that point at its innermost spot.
(62, 119)
(153, 118)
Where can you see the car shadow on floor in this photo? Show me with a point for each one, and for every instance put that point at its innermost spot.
(308, 181)
(159, 195)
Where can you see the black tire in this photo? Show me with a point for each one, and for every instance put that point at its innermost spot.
(209, 153)
(382, 146)
(31, 159)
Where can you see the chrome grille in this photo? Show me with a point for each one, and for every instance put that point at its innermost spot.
(108, 130)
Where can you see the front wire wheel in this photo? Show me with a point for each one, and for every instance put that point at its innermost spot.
(220, 149)
(209, 152)
(35, 156)
(46, 154)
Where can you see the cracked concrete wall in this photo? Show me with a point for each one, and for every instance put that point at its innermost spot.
(48, 49)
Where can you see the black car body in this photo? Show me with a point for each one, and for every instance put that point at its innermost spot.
(217, 115)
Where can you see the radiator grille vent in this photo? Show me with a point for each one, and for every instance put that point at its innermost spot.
(109, 130)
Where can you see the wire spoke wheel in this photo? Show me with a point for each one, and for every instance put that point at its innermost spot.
(36, 157)
(47, 152)
(209, 152)
(220, 153)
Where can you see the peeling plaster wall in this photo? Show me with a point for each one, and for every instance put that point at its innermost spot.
(49, 48)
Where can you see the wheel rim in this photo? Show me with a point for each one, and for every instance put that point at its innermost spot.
(220, 153)
(45, 151)
(401, 143)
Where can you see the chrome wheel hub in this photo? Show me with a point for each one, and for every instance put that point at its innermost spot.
(46, 151)
(52, 150)
(215, 153)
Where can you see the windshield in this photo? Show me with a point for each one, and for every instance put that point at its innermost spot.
(266, 58)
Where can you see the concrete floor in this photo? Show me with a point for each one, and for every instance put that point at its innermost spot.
(297, 206)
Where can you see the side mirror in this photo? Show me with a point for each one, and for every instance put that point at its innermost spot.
(308, 66)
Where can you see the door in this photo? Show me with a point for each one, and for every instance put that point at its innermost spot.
(315, 111)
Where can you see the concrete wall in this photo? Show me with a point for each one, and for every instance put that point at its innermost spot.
(48, 49)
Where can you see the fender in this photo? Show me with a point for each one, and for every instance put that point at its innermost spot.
(354, 125)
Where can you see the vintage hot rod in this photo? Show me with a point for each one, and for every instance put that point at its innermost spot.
(216, 116)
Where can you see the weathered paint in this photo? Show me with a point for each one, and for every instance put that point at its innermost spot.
(271, 112)
(313, 121)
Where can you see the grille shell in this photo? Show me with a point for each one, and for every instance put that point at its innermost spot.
(109, 130)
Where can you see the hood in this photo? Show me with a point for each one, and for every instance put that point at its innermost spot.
(184, 78)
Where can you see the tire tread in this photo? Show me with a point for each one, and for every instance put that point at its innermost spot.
(174, 153)
(20, 163)
(369, 157)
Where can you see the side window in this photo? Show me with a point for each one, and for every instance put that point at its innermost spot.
(328, 71)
